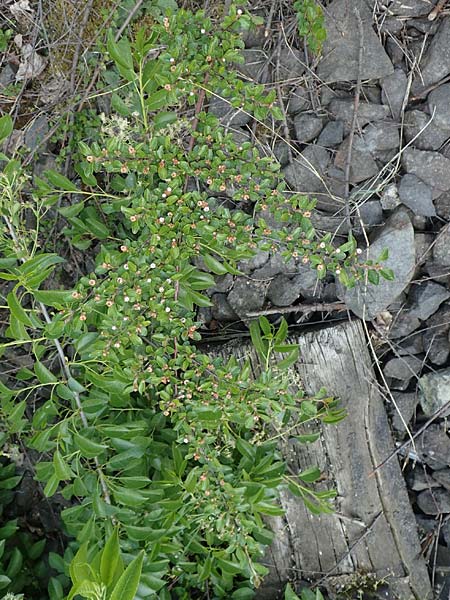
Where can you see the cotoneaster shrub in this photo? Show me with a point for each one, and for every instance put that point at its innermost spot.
(164, 452)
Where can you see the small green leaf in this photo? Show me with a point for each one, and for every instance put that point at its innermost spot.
(310, 475)
(308, 438)
(43, 374)
(110, 558)
(62, 469)
(87, 447)
(214, 265)
(51, 486)
(162, 119)
(387, 274)
(17, 310)
(126, 587)
(373, 277)
(289, 593)
(60, 182)
(6, 127)
(55, 589)
(257, 340)
(290, 359)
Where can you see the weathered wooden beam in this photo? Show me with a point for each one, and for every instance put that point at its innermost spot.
(373, 530)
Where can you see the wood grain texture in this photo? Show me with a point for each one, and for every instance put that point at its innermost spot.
(374, 529)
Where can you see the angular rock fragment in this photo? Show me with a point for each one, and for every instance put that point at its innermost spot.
(340, 54)
(398, 236)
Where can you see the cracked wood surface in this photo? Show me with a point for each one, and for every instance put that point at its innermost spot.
(374, 529)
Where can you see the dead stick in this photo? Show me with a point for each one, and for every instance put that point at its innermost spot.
(303, 308)
(436, 10)
(354, 121)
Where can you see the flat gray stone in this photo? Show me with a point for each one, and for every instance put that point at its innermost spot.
(228, 115)
(362, 164)
(433, 447)
(435, 64)
(306, 173)
(378, 137)
(409, 8)
(292, 64)
(340, 53)
(403, 325)
(284, 290)
(371, 214)
(307, 127)
(247, 296)
(406, 405)
(398, 236)
(442, 205)
(431, 167)
(36, 131)
(437, 346)
(332, 134)
(439, 103)
(298, 100)
(390, 198)
(416, 195)
(393, 89)
(342, 109)
(434, 502)
(441, 248)
(255, 66)
(422, 131)
(426, 298)
(402, 369)
(434, 391)
(221, 309)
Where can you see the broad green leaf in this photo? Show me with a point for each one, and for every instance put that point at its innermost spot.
(245, 449)
(373, 277)
(110, 558)
(57, 298)
(86, 589)
(16, 329)
(257, 340)
(308, 438)
(282, 332)
(55, 589)
(289, 593)
(120, 51)
(43, 374)
(17, 310)
(162, 119)
(15, 563)
(126, 587)
(387, 274)
(37, 264)
(310, 475)
(157, 100)
(214, 265)
(51, 486)
(87, 447)
(6, 127)
(265, 325)
(60, 182)
(4, 581)
(290, 359)
(79, 568)
(62, 469)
